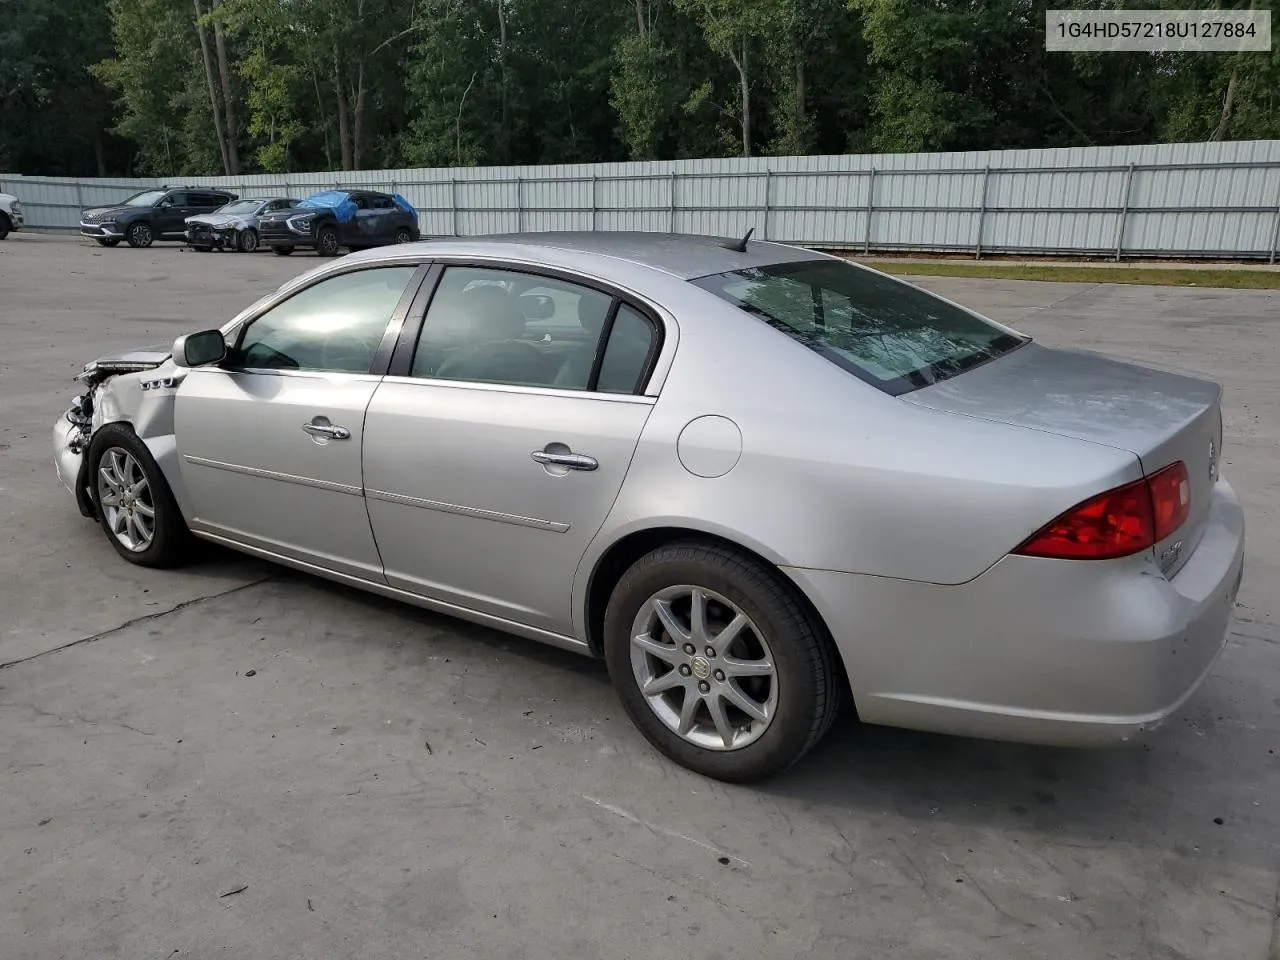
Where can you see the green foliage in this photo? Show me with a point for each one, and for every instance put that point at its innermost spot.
(124, 86)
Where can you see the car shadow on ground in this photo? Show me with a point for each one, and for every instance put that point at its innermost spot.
(1136, 793)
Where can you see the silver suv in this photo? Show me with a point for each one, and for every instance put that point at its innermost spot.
(10, 214)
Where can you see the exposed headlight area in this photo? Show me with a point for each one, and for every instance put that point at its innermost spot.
(300, 224)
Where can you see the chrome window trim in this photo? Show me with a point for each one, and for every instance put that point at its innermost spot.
(643, 399)
(344, 375)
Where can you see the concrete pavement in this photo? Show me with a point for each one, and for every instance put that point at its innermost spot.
(393, 784)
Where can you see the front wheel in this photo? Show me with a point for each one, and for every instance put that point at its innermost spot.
(135, 506)
(718, 663)
(139, 235)
(5, 225)
(108, 242)
(327, 242)
(282, 251)
(247, 241)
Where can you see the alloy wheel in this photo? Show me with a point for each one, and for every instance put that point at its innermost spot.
(126, 500)
(704, 668)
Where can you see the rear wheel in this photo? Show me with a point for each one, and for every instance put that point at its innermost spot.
(718, 663)
(282, 251)
(327, 242)
(107, 241)
(135, 506)
(5, 225)
(139, 235)
(403, 235)
(247, 241)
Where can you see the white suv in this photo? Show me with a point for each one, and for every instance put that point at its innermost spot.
(10, 214)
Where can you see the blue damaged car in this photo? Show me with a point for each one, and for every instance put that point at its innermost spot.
(354, 219)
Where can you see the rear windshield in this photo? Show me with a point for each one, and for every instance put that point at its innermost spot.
(891, 334)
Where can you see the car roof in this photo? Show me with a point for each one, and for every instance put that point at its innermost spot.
(686, 256)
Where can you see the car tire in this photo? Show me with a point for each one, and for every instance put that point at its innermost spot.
(800, 688)
(404, 235)
(119, 463)
(139, 235)
(247, 240)
(327, 242)
(5, 225)
(282, 251)
(107, 242)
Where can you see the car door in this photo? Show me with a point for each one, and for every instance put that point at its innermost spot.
(494, 454)
(269, 442)
(171, 213)
(371, 224)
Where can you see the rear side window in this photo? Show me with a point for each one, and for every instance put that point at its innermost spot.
(891, 334)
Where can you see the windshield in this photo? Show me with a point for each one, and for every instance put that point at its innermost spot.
(148, 198)
(891, 334)
(240, 206)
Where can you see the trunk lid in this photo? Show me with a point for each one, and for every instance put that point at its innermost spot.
(1160, 417)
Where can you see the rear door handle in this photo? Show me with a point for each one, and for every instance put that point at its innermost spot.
(574, 461)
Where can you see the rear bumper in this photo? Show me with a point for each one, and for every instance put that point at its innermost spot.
(1070, 653)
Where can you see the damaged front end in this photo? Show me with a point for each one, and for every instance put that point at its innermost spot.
(88, 411)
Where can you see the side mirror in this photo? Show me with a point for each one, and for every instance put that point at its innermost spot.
(537, 307)
(199, 349)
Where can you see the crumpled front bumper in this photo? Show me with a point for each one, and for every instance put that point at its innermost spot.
(70, 440)
(205, 235)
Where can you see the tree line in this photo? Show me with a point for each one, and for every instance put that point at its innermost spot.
(201, 87)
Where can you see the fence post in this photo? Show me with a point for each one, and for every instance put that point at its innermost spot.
(453, 202)
(80, 204)
(768, 184)
(982, 213)
(594, 204)
(1124, 212)
(1275, 232)
(519, 204)
(672, 197)
(871, 193)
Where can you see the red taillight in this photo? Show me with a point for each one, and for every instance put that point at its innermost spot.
(1170, 498)
(1118, 523)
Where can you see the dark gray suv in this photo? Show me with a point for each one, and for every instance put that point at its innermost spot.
(156, 214)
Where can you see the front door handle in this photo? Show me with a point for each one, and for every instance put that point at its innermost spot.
(321, 429)
(573, 461)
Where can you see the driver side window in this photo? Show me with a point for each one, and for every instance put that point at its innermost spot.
(335, 325)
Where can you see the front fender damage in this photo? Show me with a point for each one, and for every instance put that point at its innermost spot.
(139, 392)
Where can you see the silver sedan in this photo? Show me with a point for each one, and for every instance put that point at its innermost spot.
(754, 479)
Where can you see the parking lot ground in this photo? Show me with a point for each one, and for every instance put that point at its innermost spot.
(393, 784)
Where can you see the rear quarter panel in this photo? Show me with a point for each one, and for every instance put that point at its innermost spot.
(835, 475)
